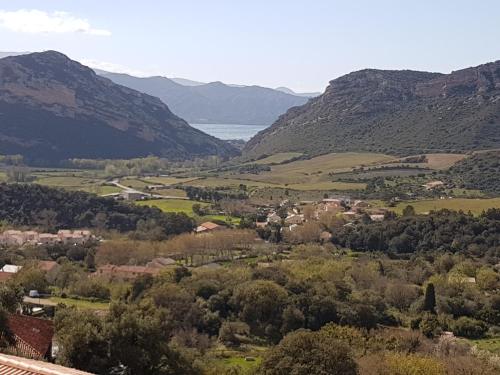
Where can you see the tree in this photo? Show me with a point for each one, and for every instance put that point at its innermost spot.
(305, 353)
(260, 303)
(409, 211)
(82, 343)
(430, 299)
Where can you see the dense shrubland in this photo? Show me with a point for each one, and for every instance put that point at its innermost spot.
(51, 209)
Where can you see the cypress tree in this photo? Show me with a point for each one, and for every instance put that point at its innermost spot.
(430, 299)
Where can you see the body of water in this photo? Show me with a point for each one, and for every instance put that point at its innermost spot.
(230, 131)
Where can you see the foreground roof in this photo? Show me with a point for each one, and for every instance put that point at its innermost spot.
(12, 365)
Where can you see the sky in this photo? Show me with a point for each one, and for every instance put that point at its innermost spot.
(294, 43)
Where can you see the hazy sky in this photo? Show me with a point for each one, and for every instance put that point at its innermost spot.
(296, 43)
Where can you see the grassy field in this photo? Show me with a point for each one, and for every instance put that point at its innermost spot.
(172, 205)
(278, 158)
(186, 206)
(317, 169)
(443, 161)
(230, 182)
(490, 344)
(171, 192)
(134, 183)
(169, 180)
(476, 206)
(78, 183)
(82, 304)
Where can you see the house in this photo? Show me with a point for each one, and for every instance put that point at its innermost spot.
(11, 268)
(377, 217)
(433, 185)
(133, 195)
(294, 219)
(13, 365)
(125, 272)
(332, 202)
(208, 227)
(161, 262)
(261, 224)
(32, 336)
(273, 218)
(48, 239)
(350, 215)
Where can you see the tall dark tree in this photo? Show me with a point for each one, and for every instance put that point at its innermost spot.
(430, 298)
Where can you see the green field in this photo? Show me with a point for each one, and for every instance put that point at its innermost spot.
(172, 205)
(82, 304)
(78, 183)
(171, 192)
(476, 206)
(169, 180)
(316, 170)
(134, 183)
(491, 344)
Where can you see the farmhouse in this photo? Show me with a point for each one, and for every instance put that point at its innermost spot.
(433, 185)
(208, 227)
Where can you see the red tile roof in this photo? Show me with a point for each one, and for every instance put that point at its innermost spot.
(209, 225)
(5, 276)
(12, 365)
(33, 335)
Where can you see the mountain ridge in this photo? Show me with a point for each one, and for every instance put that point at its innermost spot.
(392, 111)
(53, 108)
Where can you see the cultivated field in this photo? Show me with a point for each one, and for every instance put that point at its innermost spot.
(172, 205)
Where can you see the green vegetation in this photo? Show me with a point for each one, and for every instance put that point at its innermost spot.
(81, 303)
(476, 206)
(173, 205)
(279, 158)
(481, 172)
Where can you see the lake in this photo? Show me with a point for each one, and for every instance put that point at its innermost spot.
(230, 131)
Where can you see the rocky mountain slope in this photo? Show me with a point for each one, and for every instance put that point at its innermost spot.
(53, 108)
(216, 102)
(400, 112)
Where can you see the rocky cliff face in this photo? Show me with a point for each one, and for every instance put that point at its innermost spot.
(400, 112)
(53, 108)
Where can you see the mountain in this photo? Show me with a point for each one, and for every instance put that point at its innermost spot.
(216, 102)
(303, 94)
(187, 82)
(53, 108)
(400, 112)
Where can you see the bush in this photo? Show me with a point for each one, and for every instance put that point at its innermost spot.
(470, 328)
(306, 353)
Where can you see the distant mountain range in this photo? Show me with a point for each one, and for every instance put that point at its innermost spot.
(53, 108)
(400, 112)
(211, 103)
(303, 94)
(215, 102)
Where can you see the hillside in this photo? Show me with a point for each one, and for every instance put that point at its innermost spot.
(53, 108)
(479, 172)
(399, 112)
(216, 102)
